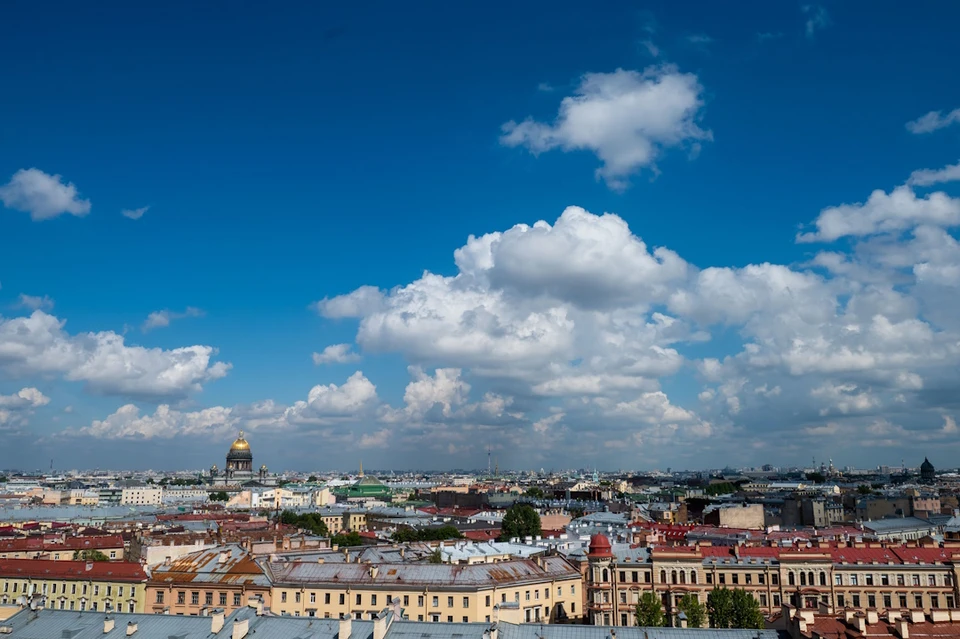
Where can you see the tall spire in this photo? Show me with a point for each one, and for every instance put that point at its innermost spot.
(361, 469)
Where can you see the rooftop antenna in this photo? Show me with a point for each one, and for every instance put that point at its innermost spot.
(488, 461)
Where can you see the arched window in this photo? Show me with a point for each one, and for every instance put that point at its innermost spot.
(683, 576)
(823, 578)
(792, 579)
(663, 576)
(604, 576)
(673, 576)
(693, 576)
(810, 579)
(803, 579)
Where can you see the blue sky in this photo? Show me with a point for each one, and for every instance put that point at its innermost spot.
(287, 156)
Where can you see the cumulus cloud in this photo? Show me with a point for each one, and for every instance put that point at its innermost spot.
(39, 345)
(16, 409)
(933, 121)
(928, 177)
(627, 118)
(358, 303)
(35, 302)
(41, 195)
(162, 319)
(134, 214)
(883, 213)
(335, 354)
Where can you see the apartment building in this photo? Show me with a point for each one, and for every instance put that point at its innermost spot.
(74, 585)
(141, 496)
(61, 548)
(862, 576)
(546, 589)
(225, 577)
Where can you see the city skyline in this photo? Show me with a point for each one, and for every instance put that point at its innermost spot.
(638, 238)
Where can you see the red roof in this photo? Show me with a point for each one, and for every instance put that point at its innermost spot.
(39, 544)
(481, 535)
(43, 569)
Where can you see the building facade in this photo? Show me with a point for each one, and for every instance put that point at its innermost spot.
(547, 590)
(861, 577)
(74, 585)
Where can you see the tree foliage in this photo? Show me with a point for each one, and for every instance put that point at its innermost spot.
(721, 488)
(312, 479)
(89, 555)
(576, 512)
(863, 489)
(695, 611)
(220, 495)
(521, 520)
(733, 609)
(649, 611)
(536, 492)
(312, 522)
(815, 477)
(347, 539)
(426, 534)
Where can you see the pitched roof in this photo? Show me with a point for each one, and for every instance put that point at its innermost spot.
(97, 570)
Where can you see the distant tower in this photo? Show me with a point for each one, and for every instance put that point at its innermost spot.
(488, 462)
(360, 474)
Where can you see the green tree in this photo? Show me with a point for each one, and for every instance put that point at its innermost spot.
(863, 489)
(536, 492)
(312, 522)
(649, 611)
(722, 488)
(576, 512)
(3, 479)
(312, 479)
(89, 555)
(694, 610)
(426, 534)
(720, 608)
(816, 478)
(521, 520)
(347, 539)
(435, 557)
(220, 495)
(746, 610)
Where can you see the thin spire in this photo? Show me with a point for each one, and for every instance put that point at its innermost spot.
(361, 468)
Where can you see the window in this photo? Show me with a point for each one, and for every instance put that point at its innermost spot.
(709, 577)
(73, 588)
(623, 618)
(775, 580)
(840, 601)
(466, 602)
(673, 576)
(296, 597)
(503, 597)
(208, 598)
(623, 596)
(934, 601)
(436, 601)
(449, 618)
(486, 601)
(604, 577)
(435, 618)
(181, 598)
(918, 600)
(536, 594)
(803, 579)
(450, 600)
(113, 554)
(559, 591)
(359, 599)
(283, 597)
(693, 576)
(763, 600)
(871, 601)
(748, 579)
(949, 601)
(931, 580)
(195, 598)
(573, 589)
(119, 590)
(884, 580)
(313, 597)
(646, 576)
(130, 608)
(792, 579)
(223, 599)
(903, 601)
(916, 580)
(96, 590)
(869, 580)
(776, 600)
(634, 576)
(573, 607)
(373, 600)
(663, 576)
(761, 578)
(823, 579)
(854, 580)
(887, 602)
(736, 578)
(947, 580)
(623, 575)
(856, 601)
(683, 576)
(326, 598)
(343, 598)
(159, 596)
(94, 606)
(723, 578)
(236, 599)
(464, 619)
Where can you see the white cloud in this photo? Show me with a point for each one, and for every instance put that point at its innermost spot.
(162, 319)
(358, 303)
(651, 48)
(35, 302)
(883, 213)
(41, 195)
(927, 177)
(134, 214)
(335, 354)
(324, 402)
(933, 121)
(39, 345)
(817, 18)
(627, 118)
(16, 409)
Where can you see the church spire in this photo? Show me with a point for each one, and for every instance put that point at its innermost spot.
(361, 469)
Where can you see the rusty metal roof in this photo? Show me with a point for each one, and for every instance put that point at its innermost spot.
(519, 571)
(228, 564)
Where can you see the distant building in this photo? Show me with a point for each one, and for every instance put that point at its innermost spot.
(74, 585)
(927, 472)
(239, 467)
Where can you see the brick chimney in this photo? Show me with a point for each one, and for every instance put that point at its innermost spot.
(346, 627)
(108, 624)
(131, 628)
(240, 628)
(903, 628)
(216, 621)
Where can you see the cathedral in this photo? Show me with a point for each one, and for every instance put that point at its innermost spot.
(239, 468)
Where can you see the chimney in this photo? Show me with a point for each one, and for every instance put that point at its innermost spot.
(131, 628)
(860, 621)
(381, 624)
(872, 616)
(240, 627)
(108, 624)
(346, 626)
(916, 616)
(893, 616)
(373, 572)
(939, 615)
(216, 621)
(903, 628)
(223, 556)
(167, 560)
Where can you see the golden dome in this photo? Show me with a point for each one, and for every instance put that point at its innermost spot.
(240, 444)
